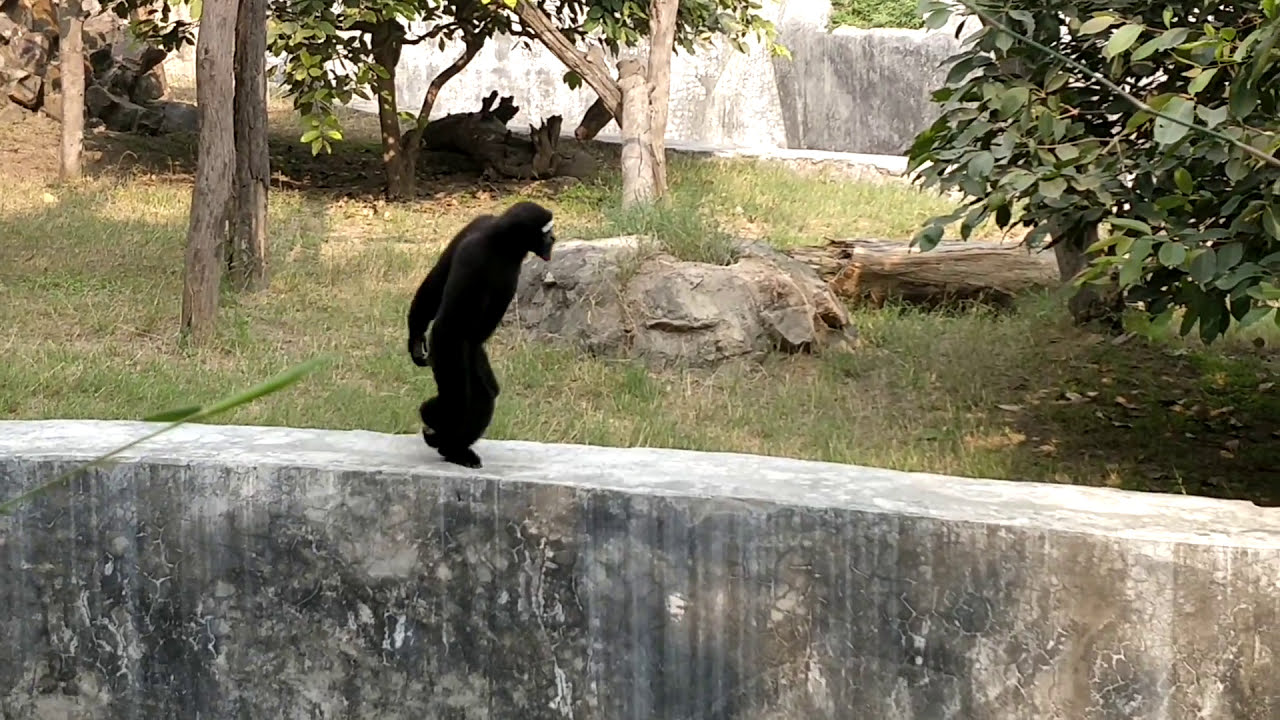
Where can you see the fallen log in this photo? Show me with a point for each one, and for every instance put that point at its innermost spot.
(484, 138)
(874, 271)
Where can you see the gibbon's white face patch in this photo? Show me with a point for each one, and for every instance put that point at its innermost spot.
(547, 228)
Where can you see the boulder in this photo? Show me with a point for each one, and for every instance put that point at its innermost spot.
(618, 298)
(124, 80)
(179, 117)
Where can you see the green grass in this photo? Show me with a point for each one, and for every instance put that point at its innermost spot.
(90, 282)
(876, 14)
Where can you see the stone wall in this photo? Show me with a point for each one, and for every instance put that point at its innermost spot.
(861, 91)
(233, 572)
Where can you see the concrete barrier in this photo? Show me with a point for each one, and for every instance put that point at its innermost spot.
(848, 90)
(255, 572)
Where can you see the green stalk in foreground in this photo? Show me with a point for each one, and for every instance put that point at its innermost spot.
(178, 417)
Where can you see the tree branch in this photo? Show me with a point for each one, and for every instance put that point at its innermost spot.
(597, 76)
(1129, 97)
(474, 44)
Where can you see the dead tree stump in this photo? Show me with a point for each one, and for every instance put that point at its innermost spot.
(484, 138)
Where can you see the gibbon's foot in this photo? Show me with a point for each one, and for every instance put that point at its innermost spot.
(466, 457)
(429, 436)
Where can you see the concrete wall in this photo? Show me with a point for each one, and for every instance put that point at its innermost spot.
(862, 91)
(233, 572)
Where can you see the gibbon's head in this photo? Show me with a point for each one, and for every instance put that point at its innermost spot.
(531, 221)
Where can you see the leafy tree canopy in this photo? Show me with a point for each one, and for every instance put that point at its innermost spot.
(1190, 219)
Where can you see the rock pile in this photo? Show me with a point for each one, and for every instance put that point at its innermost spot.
(612, 298)
(124, 83)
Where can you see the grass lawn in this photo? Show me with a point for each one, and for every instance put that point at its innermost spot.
(90, 280)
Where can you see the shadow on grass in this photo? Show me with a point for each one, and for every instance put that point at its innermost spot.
(1193, 421)
(353, 168)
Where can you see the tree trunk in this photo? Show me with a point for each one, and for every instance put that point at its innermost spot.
(953, 273)
(1089, 303)
(247, 259)
(71, 51)
(662, 39)
(637, 158)
(388, 39)
(215, 168)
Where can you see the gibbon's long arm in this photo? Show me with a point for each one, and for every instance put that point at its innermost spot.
(426, 301)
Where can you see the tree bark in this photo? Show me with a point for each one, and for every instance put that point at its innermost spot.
(637, 158)
(215, 168)
(951, 273)
(388, 40)
(593, 121)
(1101, 303)
(71, 51)
(662, 39)
(595, 74)
(247, 259)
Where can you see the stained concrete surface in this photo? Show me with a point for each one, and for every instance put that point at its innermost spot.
(246, 572)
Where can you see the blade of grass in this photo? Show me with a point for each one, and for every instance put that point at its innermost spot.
(183, 415)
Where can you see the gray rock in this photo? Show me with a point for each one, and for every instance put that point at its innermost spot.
(26, 91)
(179, 117)
(8, 28)
(612, 297)
(11, 112)
(52, 106)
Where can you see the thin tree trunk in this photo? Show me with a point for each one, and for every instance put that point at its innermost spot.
(71, 50)
(215, 168)
(388, 40)
(413, 139)
(1088, 303)
(637, 158)
(662, 39)
(248, 249)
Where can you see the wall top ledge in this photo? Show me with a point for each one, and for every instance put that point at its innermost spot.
(672, 473)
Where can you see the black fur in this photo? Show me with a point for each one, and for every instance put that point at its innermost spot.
(462, 299)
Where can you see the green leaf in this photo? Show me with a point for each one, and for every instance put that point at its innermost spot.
(1244, 98)
(1067, 152)
(1201, 81)
(1122, 39)
(1097, 24)
(1129, 224)
(1182, 178)
(1053, 188)
(1130, 271)
(1167, 132)
(1212, 117)
(981, 164)
(1203, 265)
(1172, 254)
(1013, 100)
(1228, 256)
(1148, 48)
(936, 19)
(274, 384)
(1271, 221)
(1255, 314)
(1236, 169)
(309, 136)
(928, 237)
(173, 415)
